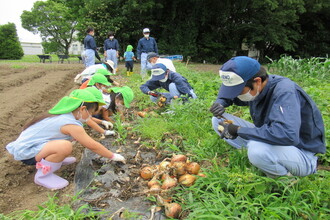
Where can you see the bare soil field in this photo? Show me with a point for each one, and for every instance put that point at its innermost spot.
(28, 90)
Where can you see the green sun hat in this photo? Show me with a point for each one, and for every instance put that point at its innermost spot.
(98, 78)
(104, 72)
(72, 102)
(127, 93)
(129, 48)
(97, 93)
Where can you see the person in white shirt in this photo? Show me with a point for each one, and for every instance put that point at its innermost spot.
(154, 58)
(90, 71)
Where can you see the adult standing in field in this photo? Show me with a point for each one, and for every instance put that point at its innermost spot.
(154, 58)
(90, 48)
(287, 129)
(146, 45)
(111, 49)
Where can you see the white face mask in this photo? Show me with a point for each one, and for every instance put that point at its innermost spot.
(111, 37)
(84, 120)
(146, 35)
(247, 97)
(164, 80)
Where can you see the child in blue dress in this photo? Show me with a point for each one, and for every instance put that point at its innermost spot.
(47, 140)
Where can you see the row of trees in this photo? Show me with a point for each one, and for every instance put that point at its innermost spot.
(205, 30)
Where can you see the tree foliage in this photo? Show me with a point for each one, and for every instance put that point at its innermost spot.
(10, 47)
(53, 21)
(210, 30)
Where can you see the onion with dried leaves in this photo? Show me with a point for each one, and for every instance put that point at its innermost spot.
(172, 210)
(193, 168)
(187, 180)
(147, 173)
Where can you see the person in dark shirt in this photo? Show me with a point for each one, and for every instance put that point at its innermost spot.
(173, 82)
(146, 45)
(111, 50)
(287, 129)
(90, 48)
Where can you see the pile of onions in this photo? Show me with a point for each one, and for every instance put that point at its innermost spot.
(167, 175)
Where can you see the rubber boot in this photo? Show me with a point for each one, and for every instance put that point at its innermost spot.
(127, 73)
(45, 175)
(130, 73)
(69, 160)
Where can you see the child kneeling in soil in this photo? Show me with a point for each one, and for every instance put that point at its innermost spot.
(47, 140)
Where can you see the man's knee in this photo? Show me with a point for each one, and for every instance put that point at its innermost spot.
(257, 152)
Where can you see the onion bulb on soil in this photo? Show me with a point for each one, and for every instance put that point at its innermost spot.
(147, 173)
(193, 168)
(179, 168)
(187, 180)
(179, 158)
(142, 114)
(154, 189)
(169, 182)
(172, 210)
(164, 165)
(152, 182)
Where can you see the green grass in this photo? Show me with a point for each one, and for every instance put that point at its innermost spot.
(238, 190)
(51, 210)
(35, 59)
(233, 188)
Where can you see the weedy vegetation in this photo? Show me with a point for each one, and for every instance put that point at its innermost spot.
(232, 188)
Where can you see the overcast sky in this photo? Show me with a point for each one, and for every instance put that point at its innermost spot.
(11, 10)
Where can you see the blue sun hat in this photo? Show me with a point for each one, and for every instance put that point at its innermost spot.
(158, 72)
(234, 75)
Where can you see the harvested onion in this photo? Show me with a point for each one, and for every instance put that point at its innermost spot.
(147, 173)
(179, 168)
(193, 168)
(154, 189)
(169, 182)
(172, 210)
(179, 158)
(152, 182)
(187, 180)
(142, 114)
(164, 165)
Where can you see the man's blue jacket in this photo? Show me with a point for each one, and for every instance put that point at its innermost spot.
(284, 115)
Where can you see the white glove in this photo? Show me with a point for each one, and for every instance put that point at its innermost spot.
(76, 79)
(108, 132)
(118, 157)
(107, 124)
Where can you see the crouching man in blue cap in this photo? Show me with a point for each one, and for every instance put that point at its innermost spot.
(161, 77)
(287, 129)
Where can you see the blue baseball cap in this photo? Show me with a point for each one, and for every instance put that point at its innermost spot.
(158, 72)
(234, 75)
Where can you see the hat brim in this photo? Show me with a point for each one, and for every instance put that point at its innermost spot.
(230, 92)
(159, 77)
(109, 65)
